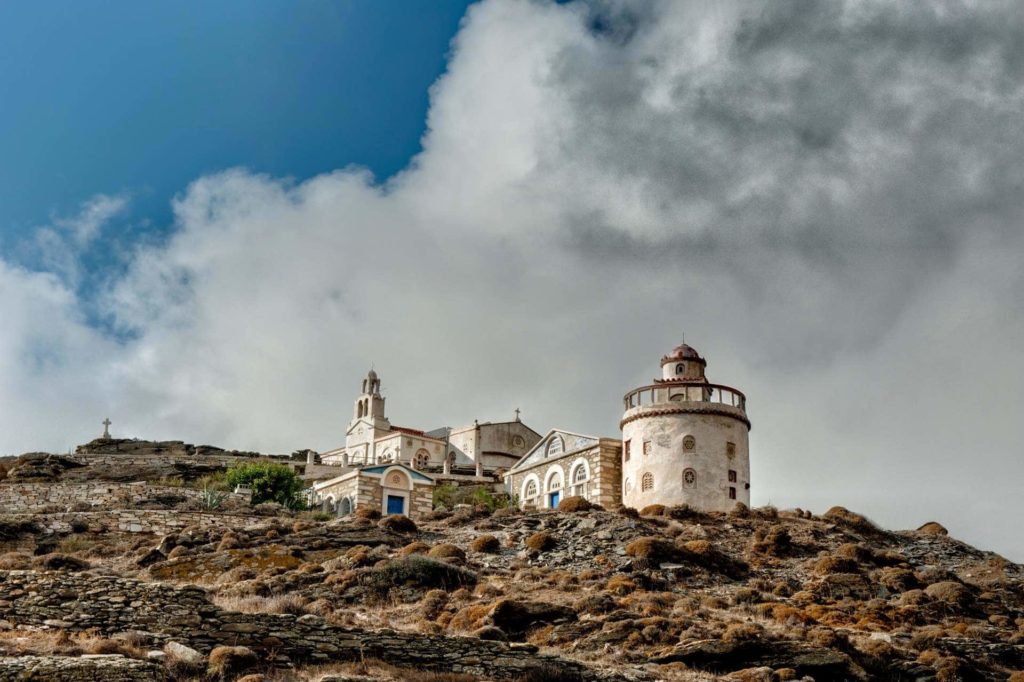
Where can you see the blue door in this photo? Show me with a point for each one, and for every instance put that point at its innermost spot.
(554, 499)
(396, 504)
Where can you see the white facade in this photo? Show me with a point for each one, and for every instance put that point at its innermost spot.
(371, 440)
(685, 440)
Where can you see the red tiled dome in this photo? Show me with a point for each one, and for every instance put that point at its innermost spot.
(683, 352)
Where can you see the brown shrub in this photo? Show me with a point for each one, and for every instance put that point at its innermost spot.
(60, 562)
(776, 542)
(897, 579)
(833, 564)
(486, 544)
(933, 528)
(845, 517)
(414, 548)
(653, 510)
(446, 552)
(15, 561)
(368, 513)
(950, 593)
(653, 550)
(505, 512)
(227, 662)
(541, 541)
(574, 503)
(228, 541)
(433, 603)
(628, 512)
(742, 632)
(620, 585)
(398, 523)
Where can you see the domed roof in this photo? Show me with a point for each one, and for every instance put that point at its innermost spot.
(682, 352)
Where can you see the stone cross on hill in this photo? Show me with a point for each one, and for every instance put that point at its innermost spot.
(106, 428)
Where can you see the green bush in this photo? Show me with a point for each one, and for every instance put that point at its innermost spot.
(269, 482)
(448, 495)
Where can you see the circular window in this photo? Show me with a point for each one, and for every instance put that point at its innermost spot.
(689, 444)
(518, 441)
(689, 478)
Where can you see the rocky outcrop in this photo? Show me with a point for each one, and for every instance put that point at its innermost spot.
(108, 605)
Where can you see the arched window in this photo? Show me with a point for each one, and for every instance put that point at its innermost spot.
(647, 482)
(531, 489)
(680, 368)
(689, 478)
(556, 446)
(554, 480)
(345, 507)
(386, 457)
(627, 485)
(689, 444)
(579, 475)
(422, 459)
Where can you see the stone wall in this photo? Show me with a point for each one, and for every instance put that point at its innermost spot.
(32, 497)
(81, 601)
(89, 668)
(155, 521)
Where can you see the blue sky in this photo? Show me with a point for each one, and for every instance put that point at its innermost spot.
(139, 99)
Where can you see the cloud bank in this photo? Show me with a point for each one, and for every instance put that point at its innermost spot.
(825, 197)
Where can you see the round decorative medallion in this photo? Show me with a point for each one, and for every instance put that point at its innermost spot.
(689, 478)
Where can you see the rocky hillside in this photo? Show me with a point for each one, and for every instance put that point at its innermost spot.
(574, 594)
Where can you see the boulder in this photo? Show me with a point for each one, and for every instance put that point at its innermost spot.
(184, 653)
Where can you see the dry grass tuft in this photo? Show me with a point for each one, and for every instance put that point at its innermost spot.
(541, 541)
(368, 513)
(414, 548)
(447, 552)
(653, 510)
(574, 504)
(486, 544)
(398, 523)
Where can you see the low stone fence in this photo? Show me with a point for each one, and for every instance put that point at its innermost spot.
(81, 601)
(155, 521)
(89, 668)
(35, 497)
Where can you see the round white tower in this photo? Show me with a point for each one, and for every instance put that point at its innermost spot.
(684, 440)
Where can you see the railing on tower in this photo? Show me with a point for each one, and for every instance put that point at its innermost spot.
(693, 392)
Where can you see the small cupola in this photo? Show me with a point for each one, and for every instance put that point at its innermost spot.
(683, 363)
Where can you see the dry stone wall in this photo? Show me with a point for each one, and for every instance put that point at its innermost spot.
(89, 668)
(155, 521)
(81, 601)
(33, 497)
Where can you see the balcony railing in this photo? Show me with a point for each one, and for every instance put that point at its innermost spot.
(687, 393)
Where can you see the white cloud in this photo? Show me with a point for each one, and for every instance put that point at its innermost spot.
(826, 199)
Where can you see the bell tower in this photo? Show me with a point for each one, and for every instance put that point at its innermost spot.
(370, 404)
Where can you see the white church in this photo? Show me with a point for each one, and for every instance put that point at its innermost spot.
(684, 440)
